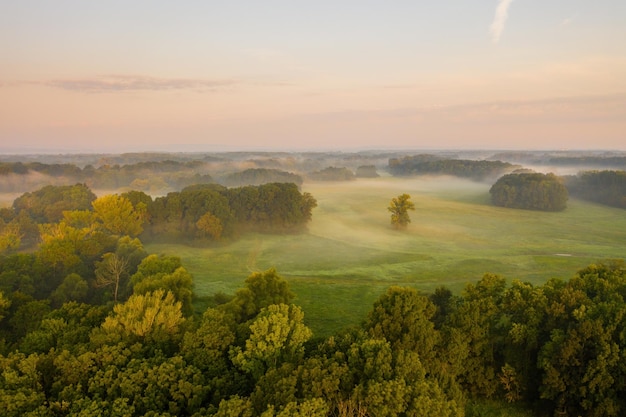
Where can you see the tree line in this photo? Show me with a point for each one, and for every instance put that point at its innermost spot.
(425, 164)
(604, 187)
(200, 212)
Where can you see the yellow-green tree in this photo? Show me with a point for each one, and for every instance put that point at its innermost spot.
(210, 225)
(10, 237)
(399, 208)
(117, 215)
(153, 317)
(277, 335)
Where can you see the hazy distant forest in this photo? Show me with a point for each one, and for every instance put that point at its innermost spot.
(273, 284)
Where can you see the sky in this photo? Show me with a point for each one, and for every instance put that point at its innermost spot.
(122, 76)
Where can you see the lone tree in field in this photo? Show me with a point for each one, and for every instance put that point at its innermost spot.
(399, 209)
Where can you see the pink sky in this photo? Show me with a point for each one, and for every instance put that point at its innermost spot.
(155, 76)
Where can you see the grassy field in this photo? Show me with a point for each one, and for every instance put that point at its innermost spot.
(351, 254)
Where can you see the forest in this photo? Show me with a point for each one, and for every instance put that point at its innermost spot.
(93, 323)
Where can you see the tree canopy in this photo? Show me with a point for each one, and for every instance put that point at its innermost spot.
(399, 208)
(533, 191)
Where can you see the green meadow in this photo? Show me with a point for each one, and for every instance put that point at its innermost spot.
(350, 254)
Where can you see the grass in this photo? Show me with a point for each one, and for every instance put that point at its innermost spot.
(351, 255)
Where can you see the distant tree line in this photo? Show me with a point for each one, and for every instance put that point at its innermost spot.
(258, 176)
(532, 191)
(598, 161)
(333, 174)
(605, 187)
(367, 171)
(425, 164)
(147, 176)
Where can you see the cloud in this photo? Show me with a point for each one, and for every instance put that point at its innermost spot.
(502, 13)
(568, 20)
(121, 83)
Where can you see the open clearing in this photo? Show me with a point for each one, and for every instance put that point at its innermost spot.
(351, 254)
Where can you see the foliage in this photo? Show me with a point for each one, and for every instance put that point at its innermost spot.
(277, 336)
(258, 176)
(558, 347)
(210, 211)
(605, 187)
(399, 208)
(154, 317)
(117, 215)
(367, 171)
(431, 165)
(261, 290)
(10, 237)
(533, 191)
(48, 204)
(164, 273)
(333, 174)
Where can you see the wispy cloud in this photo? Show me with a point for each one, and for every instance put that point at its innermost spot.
(568, 20)
(121, 83)
(499, 20)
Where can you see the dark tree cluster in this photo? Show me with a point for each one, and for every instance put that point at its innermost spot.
(605, 187)
(532, 191)
(47, 204)
(258, 176)
(367, 171)
(431, 165)
(53, 170)
(213, 211)
(333, 174)
(596, 161)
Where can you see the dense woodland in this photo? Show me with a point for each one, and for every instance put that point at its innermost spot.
(91, 324)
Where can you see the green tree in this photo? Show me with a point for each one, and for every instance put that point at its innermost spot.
(403, 317)
(477, 319)
(166, 273)
(277, 335)
(399, 208)
(73, 288)
(47, 204)
(5, 303)
(533, 191)
(262, 289)
(582, 362)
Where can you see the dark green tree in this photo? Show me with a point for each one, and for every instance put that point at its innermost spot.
(533, 191)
